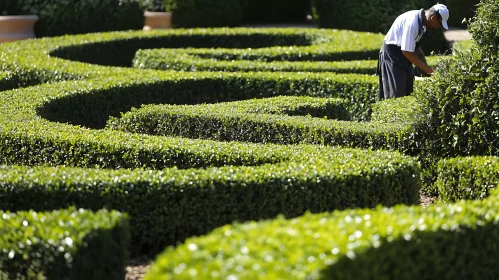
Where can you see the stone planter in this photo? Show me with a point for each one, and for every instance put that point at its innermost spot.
(157, 20)
(13, 28)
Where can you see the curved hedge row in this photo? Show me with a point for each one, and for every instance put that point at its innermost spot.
(238, 121)
(452, 241)
(247, 60)
(167, 206)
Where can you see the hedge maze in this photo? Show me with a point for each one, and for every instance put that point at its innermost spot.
(187, 131)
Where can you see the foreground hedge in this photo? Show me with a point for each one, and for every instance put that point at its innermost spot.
(63, 244)
(456, 241)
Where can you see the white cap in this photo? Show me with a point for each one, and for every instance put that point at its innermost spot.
(444, 13)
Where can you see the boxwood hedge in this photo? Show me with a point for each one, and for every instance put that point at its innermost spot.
(444, 241)
(167, 206)
(453, 241)
(253, 60)
(63, 244)
(257, 121)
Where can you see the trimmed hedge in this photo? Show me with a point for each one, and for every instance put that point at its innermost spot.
(467, 178)
(327, 108)
(174, 188)
(10, 80)
(255, 43)
(404, 110)
(63, 244)
(251, 121)
(167, 206)
(257, 60)
(456, 241)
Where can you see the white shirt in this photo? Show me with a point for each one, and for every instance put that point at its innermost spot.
(405, 31)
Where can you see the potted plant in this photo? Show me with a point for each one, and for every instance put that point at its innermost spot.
(158, 14)
(14, 25)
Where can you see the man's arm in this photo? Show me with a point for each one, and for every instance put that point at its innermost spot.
(414, 57)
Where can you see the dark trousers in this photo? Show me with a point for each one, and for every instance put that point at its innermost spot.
(396, 78)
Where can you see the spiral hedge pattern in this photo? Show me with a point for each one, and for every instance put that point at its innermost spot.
(61, 143)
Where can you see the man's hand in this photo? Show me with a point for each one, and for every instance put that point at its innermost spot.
(414, 58)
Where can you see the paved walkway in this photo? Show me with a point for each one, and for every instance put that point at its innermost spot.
(457, 34)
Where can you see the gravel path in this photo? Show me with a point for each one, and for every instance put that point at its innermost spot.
(457, 34)
(137, 268)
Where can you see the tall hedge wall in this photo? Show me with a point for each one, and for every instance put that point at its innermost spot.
(207, 13)
(275, 10)
(59, 17)
(460, 10)
(461, 101)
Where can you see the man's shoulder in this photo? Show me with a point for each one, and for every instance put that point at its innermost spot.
(410, 18)
(410, 15)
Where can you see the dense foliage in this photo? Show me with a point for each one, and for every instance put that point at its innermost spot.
(461, 101)
(63, 244)
(207, 13)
